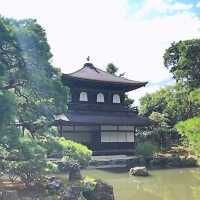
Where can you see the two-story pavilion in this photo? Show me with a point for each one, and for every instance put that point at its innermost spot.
(97, 115)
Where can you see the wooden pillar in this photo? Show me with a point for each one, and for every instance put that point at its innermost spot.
(60, 129)
(134, 132)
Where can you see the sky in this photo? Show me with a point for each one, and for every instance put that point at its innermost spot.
(131, 34)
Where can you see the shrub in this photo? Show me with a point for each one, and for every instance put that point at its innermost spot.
(30, 148)
(60, 147)
(191, 130)
(76, 151)
(28, 161)
(88, 184)
(146, 149)
(30, 171)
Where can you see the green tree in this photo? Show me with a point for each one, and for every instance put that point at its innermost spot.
(191, 130)
(11, 63)
(183, 60)
(112, 69)
(159, 118)
(42, 94)
(173, 102)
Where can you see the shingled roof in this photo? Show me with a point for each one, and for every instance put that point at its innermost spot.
(90, 73)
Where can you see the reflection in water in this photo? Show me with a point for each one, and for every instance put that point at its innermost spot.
(176, 184)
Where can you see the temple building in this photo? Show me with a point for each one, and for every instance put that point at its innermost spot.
(97, 115)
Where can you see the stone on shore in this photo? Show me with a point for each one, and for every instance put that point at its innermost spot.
(103, 191)
(189, 161)
(138, 171)
(74, 172)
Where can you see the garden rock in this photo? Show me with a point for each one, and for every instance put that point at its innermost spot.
(54, 185)
(173, 162)
(71, 193)
(103, 191)
(138, 171)
(190, 161)
(74, 172)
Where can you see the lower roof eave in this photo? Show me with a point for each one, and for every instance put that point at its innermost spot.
(69, 123)
(101, 119)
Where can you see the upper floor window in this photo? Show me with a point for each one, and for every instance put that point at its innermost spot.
(100, 98)
(116, 98)
(83, 96)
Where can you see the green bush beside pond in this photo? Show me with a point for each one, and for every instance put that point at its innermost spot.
(28, 158)
(146, 149)
(60, 147)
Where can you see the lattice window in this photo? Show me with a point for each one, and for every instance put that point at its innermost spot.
(83, 96)
(100, 98)
(116, 98)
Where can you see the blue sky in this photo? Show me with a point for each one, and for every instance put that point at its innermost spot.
(190, 5)
(133, 34)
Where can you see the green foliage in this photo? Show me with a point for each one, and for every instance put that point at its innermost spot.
(31, 93)
(112, 69)
(146, 149)
(172, 102)
(77, 151)
(59, 146)
(29, 171)
(26, 160)
(51, 167)
(194, 97)
(81, 197)
(28, 81)
(7, 110)
(159, 118)
(182, 59)
(88, 184)
(191, 130)
(29, 146)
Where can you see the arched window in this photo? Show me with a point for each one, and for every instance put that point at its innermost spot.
(83, 96)
(100, 98)
(116, 98)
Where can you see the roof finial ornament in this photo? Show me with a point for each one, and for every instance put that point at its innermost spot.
(88, 58)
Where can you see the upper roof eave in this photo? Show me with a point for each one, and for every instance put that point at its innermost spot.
(134, 84)
(90, 73)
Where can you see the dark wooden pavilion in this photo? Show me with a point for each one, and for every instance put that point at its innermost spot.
(97, 115)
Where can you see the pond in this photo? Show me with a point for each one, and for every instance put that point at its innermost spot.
(173, 184)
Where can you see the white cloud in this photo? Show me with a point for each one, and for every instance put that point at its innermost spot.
(104, 30)
(162, 6)
(198, 4)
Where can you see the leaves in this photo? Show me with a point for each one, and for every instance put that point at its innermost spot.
(174, 102)
(191, 129)
(26, 71)
(183, 61)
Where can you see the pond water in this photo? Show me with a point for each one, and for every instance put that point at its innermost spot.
(173, 184)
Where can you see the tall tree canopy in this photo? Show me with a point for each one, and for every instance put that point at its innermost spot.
(178, 102)
(173, 102)
(183, 60)
(28, 75)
